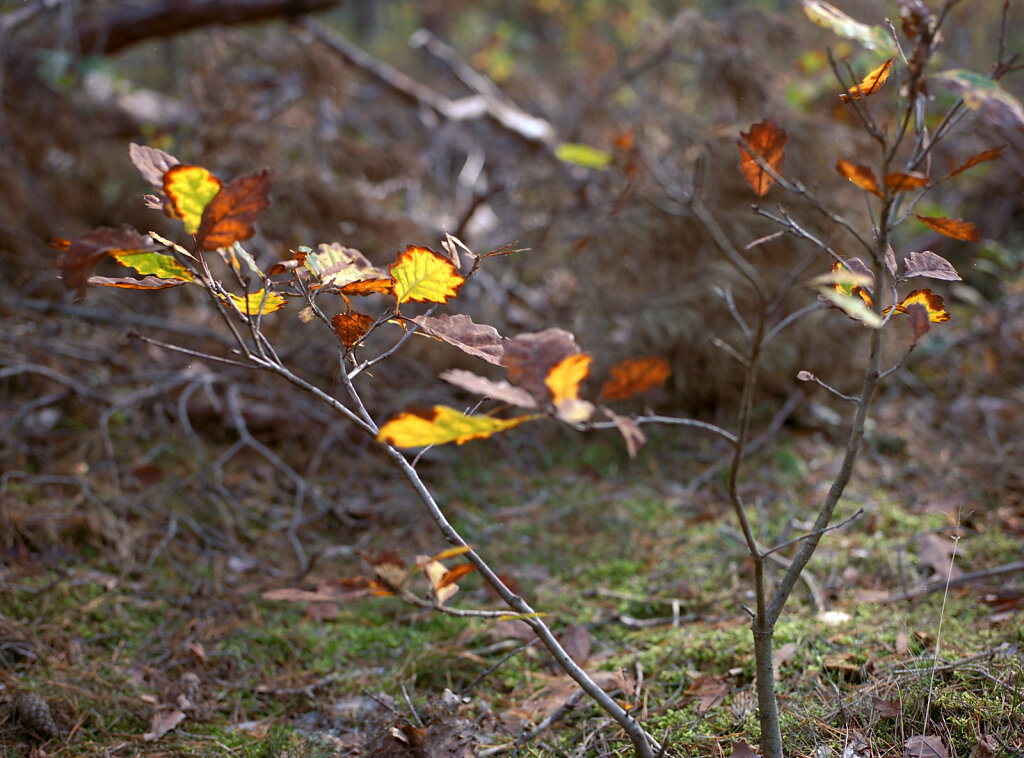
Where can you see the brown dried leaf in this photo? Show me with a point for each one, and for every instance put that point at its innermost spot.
(228, 218)
(152, 163)
(927, 263)
(742, 749)
(530, 357)
(479, 340)
(936, 552)
(576, 640)
(921, 746)
(862, 176)
(956, 228)
(479, 385)
(783, 655)
(918, 320)
(767, 140)
(163, 722)
(131, 283)
(351, 327)
(887, 709)
(890, 261)
(710, 691)
(630, 431)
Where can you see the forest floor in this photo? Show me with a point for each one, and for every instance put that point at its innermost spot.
(141, 526)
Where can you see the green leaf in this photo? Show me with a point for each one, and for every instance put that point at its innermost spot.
(830, 17)
(156, 264)
(583, 155)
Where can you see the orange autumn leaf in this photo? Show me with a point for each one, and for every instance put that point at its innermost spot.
(229, 216)
(565, 377)
(870, 85)
(933, 303)
(424, 276)
(369, 287)
(351, 327)
(419, 427)
(956, 228)
(862, 176)
(633, 376)
(767, 140)
(974, 160)
(898, 181)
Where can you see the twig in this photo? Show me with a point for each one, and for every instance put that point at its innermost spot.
(494, 667)
(829, 528)
(959, 581)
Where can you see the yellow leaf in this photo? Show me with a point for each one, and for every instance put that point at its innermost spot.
(933, 303)
(189, 190)
(564, 379)
(423, 276)
(871, 84)
(157, 264)
(251, 304)
(440, 425)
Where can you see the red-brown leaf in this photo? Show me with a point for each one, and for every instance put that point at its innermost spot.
(898, 181)
(862, 176)
(767, 140)
(479, 340)
(956, 228)
(530, 357)
(631, 377)
(229, 216)
(351, 327)
(152, 163)
(86, 250)
(974, 160)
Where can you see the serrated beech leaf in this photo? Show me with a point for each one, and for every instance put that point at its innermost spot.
(530, 357)
(956, 228)
(929, 264)
(424, 276)
(369, 287)
(351, 327)
(255, 303)
(85, 251)
(767, 140)
(479, 340)
(564, 378)
(862, 176)
(440, 425)
(870, 84)
(155, 264)
(189, 189)
(229, 216)
(500, 391)
(633, 376)
(933, 303)
(338, 265)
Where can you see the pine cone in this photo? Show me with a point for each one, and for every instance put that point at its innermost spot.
(34, 714)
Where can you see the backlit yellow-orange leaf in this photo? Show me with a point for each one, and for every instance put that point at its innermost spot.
(423, 276)
(351, 327)
(767, 140)
(189, 190)
(369, 287)
(956, 228)
(251, 304)
(897, 181)
(862, 176)
(936, 308)
(633, 376)
(974, 160)
(564, 379)
(871, 84)
(440, 425)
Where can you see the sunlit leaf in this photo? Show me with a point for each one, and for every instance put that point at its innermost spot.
(189, 189)
(85, 251)
(929, 264)
(479, 385)
(974, 160)
(479, 340)
(351, 327)
(986, 96)
(862, 176)
(452, 552)
(152, 263)
(530, 357)
(583, 155)
(897, 181)
(956, 228)
(338, 265)
(389, 567)
(251, 304)
(369, 287)
(563, 380)
(633, 376)
(852, 306)
(848, 287)
(152, 163)
(229, 216)
(424, 276)
(870, 84)
(936, 308)
(767, 140)
(440, 425)
(830, 17)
